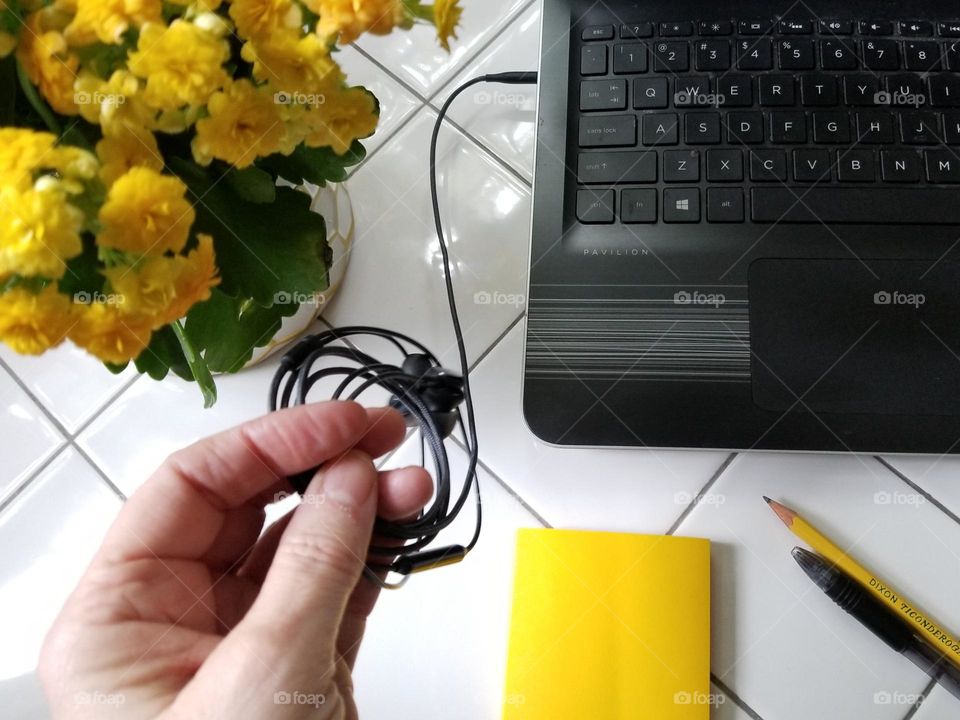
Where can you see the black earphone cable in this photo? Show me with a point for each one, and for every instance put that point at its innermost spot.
(415, 394)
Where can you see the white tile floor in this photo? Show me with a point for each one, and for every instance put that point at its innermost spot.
(76, 439)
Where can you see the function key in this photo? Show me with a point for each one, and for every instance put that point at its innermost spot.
(755, 27)
(633, 31)
(876, 27)
(716, 27)
(836, 27)
(796, 27)
(950, 29)
(915, 28)
(598, 32)
(676, 29)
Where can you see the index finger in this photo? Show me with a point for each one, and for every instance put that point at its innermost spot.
(180, 510)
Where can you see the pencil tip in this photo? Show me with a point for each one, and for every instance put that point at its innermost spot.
(767, 500)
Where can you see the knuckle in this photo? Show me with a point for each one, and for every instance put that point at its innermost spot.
(319, 553)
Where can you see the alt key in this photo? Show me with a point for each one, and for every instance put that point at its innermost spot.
(725, 205)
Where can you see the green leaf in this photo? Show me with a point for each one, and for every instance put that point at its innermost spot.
(198, 366)
(162, 355)
(253, 184)
(11, 17)
(264, 250)
(227, 330)
(103, 59)
(114, 368)
(314, 165)
(83, 272)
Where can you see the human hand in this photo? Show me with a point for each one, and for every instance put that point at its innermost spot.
(185, 613)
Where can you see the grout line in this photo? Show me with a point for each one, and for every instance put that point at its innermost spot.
(926, 495)
(97, 469)
(104, 405)
(924, 694)
(391, 74)
(41, 468)
(36, 401)
(396, 131)
(510, 491)
(497, 341)
(703, 491)
(483, 146)
(737, 700)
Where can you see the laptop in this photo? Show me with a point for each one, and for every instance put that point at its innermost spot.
(746, 226)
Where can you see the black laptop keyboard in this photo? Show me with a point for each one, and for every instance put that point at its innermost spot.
(806, 121)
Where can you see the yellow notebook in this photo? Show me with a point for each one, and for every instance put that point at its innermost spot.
(609, 626)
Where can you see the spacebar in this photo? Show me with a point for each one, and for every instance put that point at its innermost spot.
(885, 206)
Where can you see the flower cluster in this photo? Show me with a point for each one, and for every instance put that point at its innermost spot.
(153, 269)
(98, 241)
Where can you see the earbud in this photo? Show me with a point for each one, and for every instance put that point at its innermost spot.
(440, 390)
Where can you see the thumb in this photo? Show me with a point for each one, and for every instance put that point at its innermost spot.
(319, 558)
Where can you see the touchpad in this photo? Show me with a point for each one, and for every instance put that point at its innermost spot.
(845, 336)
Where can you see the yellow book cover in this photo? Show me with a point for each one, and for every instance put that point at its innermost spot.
(609, 626)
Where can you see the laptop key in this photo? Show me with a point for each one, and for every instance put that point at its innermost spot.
(634, 31)
(629, 58)
(660, 129)
(831, 127)
(861, 89)
(788, 128)
(735, 90)
(922, 56)
(880, 55)
(612, 168)
(724, 165)
(702, 128)
(650, 93)
(725, 205)
(944, 91)
(796, 54)
(670, 57)
(811, 165)
(838, 55)
(603, 95)
(836, 27)
(916, 28)
(676, 29)
(598, 32)
(716, 27)
(875, 127)
(593, 60)
(943, 166)
(608, 131)
(681, 166)
(681, 205)
(744, 128)
(754, 54)
(767, 165)
(876, 205)
(638, 205)
(691, 91)
(898, 166)
(776, 90)
(876, 27)
(713, 55)
(796, 27)
(920, 128)
(951, 55)
(856, 165)
(755, 27)
(949, 29)
(951, 128)
(595, 206)
(818, 90)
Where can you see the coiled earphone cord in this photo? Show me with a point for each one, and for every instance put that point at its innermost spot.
(426, 394)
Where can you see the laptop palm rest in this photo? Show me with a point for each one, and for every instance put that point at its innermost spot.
(851, 336)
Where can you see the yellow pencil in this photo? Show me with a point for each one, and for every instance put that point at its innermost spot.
(928, 628)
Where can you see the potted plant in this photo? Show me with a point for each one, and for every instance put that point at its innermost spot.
(141, 144)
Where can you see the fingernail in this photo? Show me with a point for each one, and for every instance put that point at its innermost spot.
(348, 483)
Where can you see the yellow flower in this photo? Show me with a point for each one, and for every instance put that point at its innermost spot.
(244, 124)
(182, 64)
(105, 332)
(48, 64)
(126, 146)
(21, 153)
(259, 18)
(197, 276)
(39, 231)
(31, 323)
(108, 20)
(351, 18)
(293, 64)
(117, 99)
(446, 16)
(349, 115)
(7, 44)
(146, 213)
